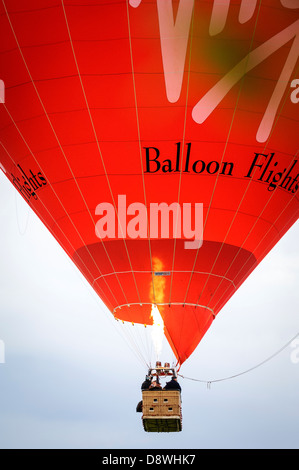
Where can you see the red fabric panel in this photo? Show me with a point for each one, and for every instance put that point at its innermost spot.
(85, 98)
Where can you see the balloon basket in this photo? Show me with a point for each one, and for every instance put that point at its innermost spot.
(162, 411)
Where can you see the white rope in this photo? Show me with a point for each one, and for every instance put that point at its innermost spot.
(209, 382)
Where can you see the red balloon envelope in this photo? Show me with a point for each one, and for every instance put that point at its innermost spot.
(113, 107)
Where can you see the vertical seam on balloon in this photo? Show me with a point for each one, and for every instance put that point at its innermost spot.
(96, 137)
(265, 235)
(237, 211)
(172, 346)
(250, 181)
(53, 131)
(139, 141)
(100, 152)
(256, 262)
(223, 154)
(182, 147)
(48, 226)
(44, 204)
(181, 330)
(248, 234)
(176, 271)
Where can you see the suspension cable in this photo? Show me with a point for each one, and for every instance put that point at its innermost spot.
(209, 382)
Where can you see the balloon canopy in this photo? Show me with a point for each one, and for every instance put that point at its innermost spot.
(157, 141)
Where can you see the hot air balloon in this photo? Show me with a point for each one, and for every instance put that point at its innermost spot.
(156, 140)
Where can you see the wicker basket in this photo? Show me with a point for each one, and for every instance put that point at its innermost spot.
(161, 410)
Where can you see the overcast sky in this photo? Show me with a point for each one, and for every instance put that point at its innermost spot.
(71, 380)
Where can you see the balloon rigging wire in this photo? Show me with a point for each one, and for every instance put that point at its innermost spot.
(183, 144)
(273, 193)
(139, 143)
(222, 157)
(209, 382)
(133, 344)
(65, 250)
(259, 217)
(31, 152)
(81, 238)
(101, 157)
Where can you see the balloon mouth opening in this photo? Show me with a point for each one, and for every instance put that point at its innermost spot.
(146, 313)
(134, 313)
(180, 320)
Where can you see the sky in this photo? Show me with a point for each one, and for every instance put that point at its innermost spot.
(69, 377)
